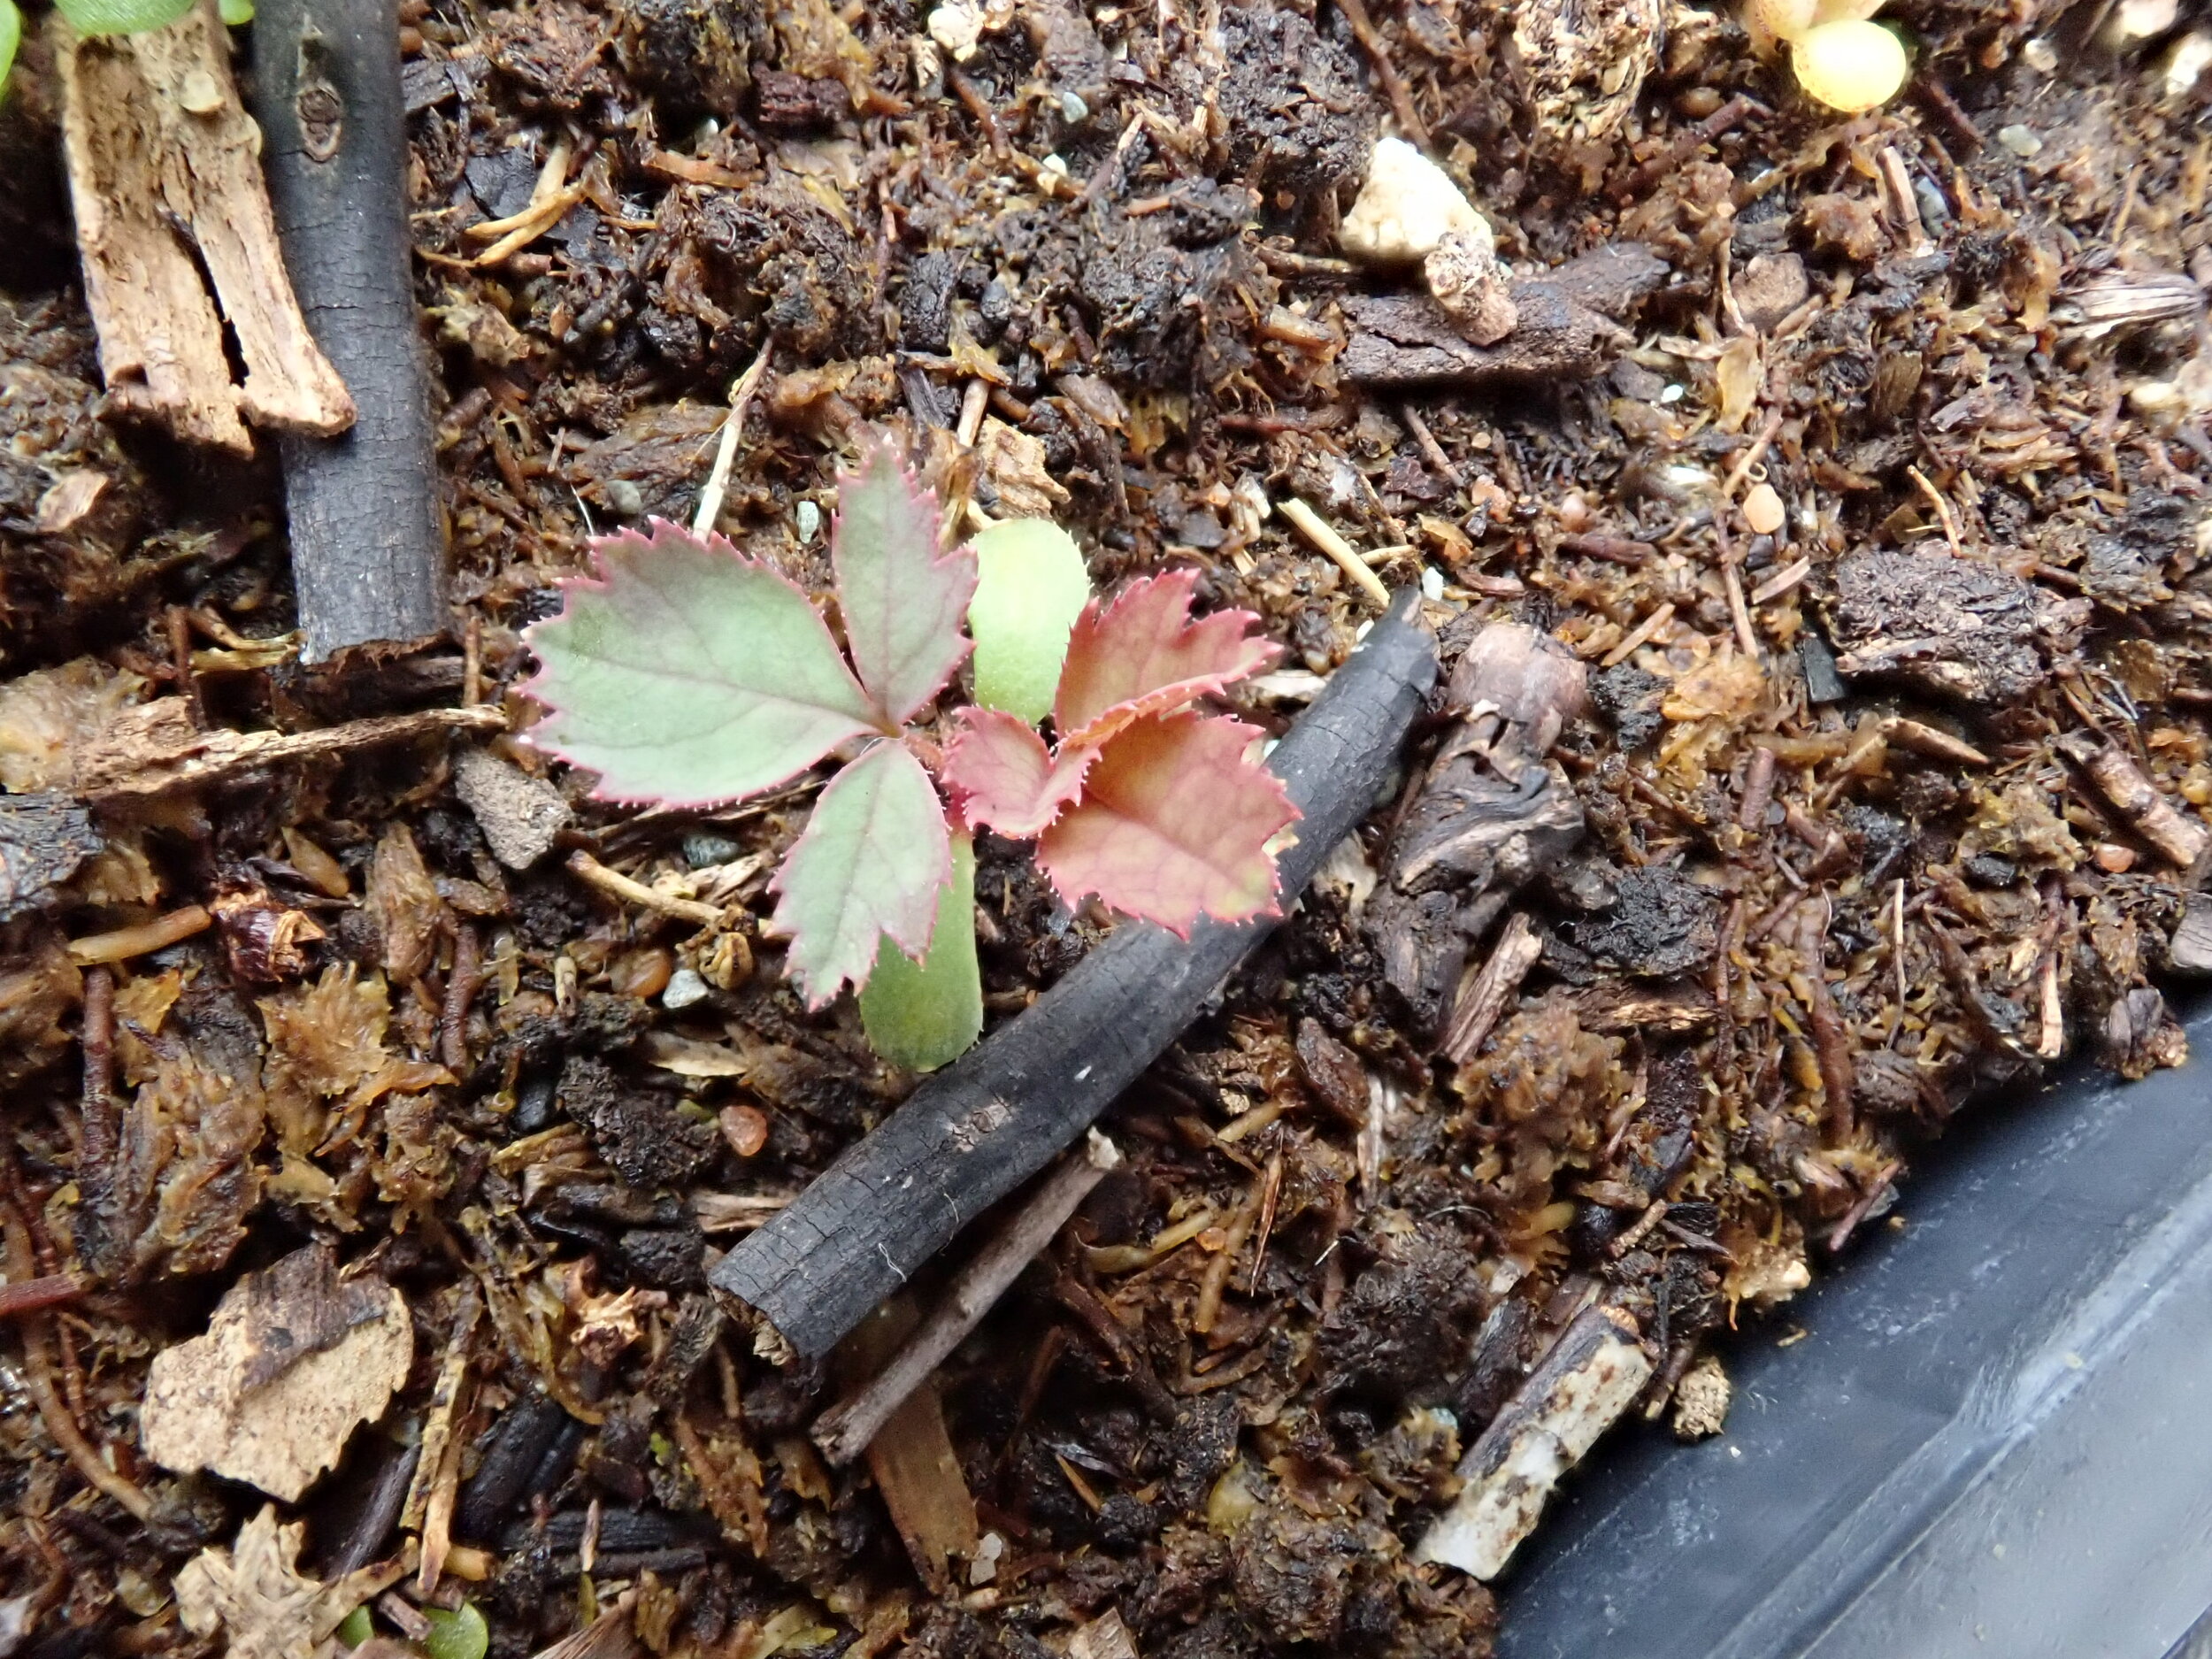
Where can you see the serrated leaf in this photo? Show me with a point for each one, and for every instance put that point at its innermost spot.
(686, 672)
(922, 1015)
(1029, 587)
(999, 773)
(874, 854)
(1174, 823)
(1142, 655)
(901, 603)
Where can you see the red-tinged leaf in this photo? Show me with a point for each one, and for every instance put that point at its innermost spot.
(902, 603)
(1142, 655)
(999, 773)
(1174, 823)
(682, 672)
(869, 867)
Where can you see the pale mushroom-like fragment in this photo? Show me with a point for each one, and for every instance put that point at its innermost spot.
(1408, 205)
(1464, 275)
(1584, 61)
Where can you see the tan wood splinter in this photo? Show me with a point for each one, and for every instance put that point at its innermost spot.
(164, 175)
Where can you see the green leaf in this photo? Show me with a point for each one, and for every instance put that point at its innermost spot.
(922, 1015)
(870, 864)
(237, 14)
(457, 1635)
(902, 601)
(688, 673)
(121, 17)
(11, 34)
(1029, 587)
(355, 1628)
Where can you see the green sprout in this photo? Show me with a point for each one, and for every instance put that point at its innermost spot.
(107, 17)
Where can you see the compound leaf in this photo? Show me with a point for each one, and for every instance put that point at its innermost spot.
(686, 672)
(999, 774)
(902, 603)
(1142, 655)
(1175, 823)
(869, 867)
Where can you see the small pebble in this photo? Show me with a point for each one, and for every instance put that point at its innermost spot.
(685, 988)
(641, 973)
(2020, 140)
(1074, 110)
(810, 521)
(2114, 858)
(702, 848)
(1432, 584)
(1762, 510)
(623, 497)
(1698, 103)
(744, 1127)
(2040, 55)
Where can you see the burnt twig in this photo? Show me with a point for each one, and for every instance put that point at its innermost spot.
(987, 1123)
(368, 534)
(844, 1430)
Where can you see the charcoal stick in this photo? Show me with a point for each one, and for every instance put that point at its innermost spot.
(368, 534)
(985, 1125)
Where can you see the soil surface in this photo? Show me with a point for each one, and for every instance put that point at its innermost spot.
(1858, 482)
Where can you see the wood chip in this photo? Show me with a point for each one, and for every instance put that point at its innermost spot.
(2182, 841)
(521, 816)
(1592, 1374)
(152, 748)
(165, 173)
(294, 1361)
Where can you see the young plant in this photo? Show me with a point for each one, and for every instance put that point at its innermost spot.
(685, 673)
(107, 16)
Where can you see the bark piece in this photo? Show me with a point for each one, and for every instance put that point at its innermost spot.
(986, 1124)
(367, 529)
(164, 175)
(153, 748)
(1590, 1376)
(521, 816)
(1565, 327)
(43, 838)
(1951, 626)
(295, 1359)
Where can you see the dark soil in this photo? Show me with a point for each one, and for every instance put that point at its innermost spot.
(1228, 1401)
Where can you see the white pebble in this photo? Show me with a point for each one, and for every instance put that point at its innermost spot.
(1407, 206)
(810, 520)
(684, 989)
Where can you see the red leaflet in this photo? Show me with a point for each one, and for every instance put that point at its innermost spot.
(999, 773)
(1143, 654)
(1174, 823)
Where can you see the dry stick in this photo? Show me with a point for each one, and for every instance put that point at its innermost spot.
(1751, 457)
(1377, 50)
(726, 451)
(616, 885)
(986, 1124)
(1318, 531)
(1491, 989)
(1430, 448)
(1943, 509)
(1731, 578)
(844, 1430)
(95, 1147)
(368, 532)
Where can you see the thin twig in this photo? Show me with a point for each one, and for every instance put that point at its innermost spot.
(95, 1149)
(1377, 50)
(1318, 531)
(1751, 457)
(584, 867)
(844, 1430)
(1942, 507)
(1430, 447)
(126, 943)
(726, 452)
(1731, 578)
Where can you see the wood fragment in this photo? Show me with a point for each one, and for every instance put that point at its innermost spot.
(1324, 535)
(717, 482)
(1592, 1374)
(153, 749)
(1614, 549)
(1782, 582)
(1488, 993)
(1831, 1038)
(1432, 451)
(846, 1429)
(164, 175)
(912, 1460)
(1751, 457)
(1644, 634)
(1758, 791)
(49, 1291)
(2180, 841)
(1393, 86)
(1935, 743)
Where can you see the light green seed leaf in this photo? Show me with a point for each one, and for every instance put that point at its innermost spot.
(1031, 588)
(355, 1628)
(922, 1015)
(11, 34)
(874, 854)
(237, 14)
(460, 1635)
(121, 17)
